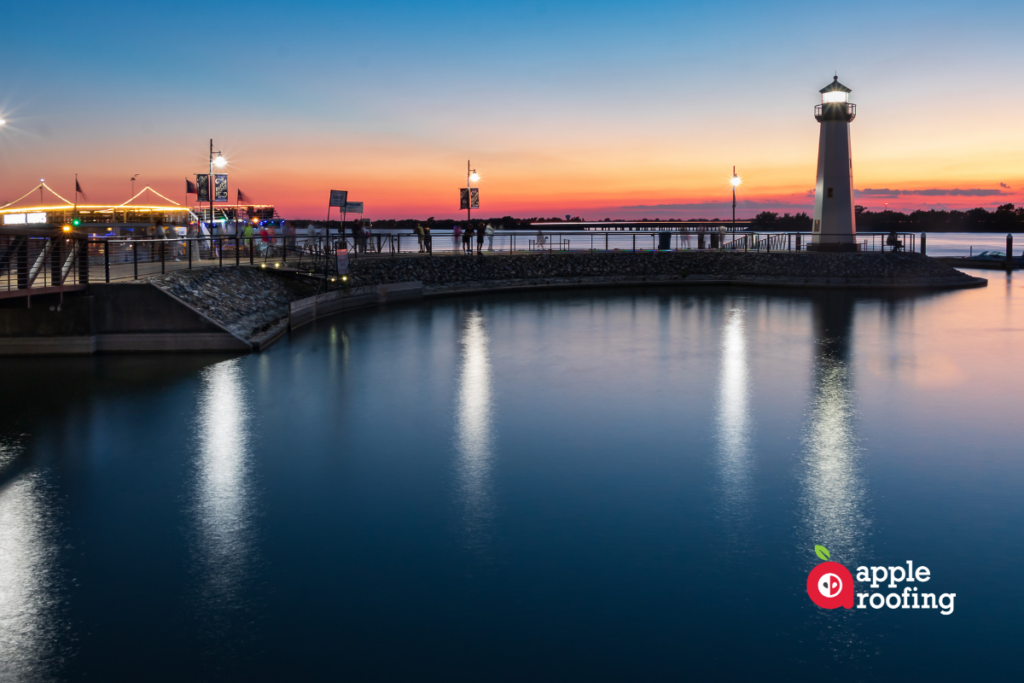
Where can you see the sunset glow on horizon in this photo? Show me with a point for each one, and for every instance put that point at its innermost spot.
(593, 110)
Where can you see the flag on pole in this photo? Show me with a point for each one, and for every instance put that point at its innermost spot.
(78, 189)
(243, 198)
(190, 187)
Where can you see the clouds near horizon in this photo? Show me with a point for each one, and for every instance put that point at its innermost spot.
(887, 193)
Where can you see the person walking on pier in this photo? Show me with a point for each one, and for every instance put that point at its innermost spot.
(467, 239)
(490, 237)
(427, 239)
(480, 239)
(456, 236)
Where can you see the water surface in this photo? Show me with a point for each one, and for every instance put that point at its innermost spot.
(596, 485)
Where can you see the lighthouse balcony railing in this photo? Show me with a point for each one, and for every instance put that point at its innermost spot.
(851, 110)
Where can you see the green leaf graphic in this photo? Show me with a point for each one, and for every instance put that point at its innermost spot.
(822, 552)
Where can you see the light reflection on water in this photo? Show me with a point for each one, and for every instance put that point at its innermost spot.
(734, 422)
(473, 432)
(834, 488)
(223, 506)
(27, 566)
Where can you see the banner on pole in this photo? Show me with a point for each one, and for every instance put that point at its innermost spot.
(220, 187)
(469, 198)
(202, 187)
(339, 198)
(342, 256)
(354, 207)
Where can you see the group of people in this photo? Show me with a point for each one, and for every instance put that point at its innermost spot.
(480, 231)
(459, 234)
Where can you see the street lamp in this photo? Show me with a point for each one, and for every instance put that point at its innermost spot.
(471, 177)
(219, 161)
(735, 181)
(133, 183)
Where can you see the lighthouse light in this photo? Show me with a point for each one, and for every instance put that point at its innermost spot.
(835, 96)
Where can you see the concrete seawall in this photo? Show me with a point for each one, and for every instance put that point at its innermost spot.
(134, 317)
(145, 318)
(245, 309)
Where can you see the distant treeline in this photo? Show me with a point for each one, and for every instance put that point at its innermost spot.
(503, 223)
(1006, 218)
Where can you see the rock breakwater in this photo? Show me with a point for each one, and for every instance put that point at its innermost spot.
(247, 301)
(864, 269)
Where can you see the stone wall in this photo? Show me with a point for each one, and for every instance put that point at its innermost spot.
(245, 300)
(796, 268)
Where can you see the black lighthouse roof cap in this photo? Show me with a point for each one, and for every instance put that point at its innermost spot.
(834, 86)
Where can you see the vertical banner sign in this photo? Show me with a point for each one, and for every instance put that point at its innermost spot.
(463, 198)
(202, 187)
(342, 256)
(220, 187)
(474, 198)
(339, 198)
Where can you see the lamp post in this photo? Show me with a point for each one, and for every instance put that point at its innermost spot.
(471, 176)
(133, 183)
(219, 161)
(735, 180)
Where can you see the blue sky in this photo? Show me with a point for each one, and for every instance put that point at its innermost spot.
(570, 106)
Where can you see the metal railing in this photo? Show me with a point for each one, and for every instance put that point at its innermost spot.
(851, 109)
(41, 263)
(35, 261)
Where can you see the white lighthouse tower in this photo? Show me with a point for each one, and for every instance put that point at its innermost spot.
(834, 227)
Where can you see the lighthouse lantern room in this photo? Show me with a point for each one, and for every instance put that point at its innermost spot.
(834, 227)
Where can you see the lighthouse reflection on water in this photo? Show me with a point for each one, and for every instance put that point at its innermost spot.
(834, 489)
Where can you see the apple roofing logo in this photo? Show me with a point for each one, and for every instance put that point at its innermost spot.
(830, 584)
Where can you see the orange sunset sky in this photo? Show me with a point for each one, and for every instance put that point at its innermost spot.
(594, 110)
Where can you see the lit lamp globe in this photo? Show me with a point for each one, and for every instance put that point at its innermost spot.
(219, 161)
(474, 177)
(735, 180)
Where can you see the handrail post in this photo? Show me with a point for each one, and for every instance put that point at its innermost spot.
(237, 255)
(135, 259)
(83, 262)
(163, 267)
(220, 250)
(106, 262)
(189, 243)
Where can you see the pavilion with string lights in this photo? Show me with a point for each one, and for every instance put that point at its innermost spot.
(146, 209)
(136, 217)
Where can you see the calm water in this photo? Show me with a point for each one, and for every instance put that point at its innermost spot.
(588, 486)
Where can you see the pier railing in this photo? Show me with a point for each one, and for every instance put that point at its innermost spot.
(41, 262)
(37, 261)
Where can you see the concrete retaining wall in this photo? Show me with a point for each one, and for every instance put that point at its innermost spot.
(307, 310)
(122, 318)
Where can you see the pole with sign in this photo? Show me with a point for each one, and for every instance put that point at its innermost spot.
(339, 198)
